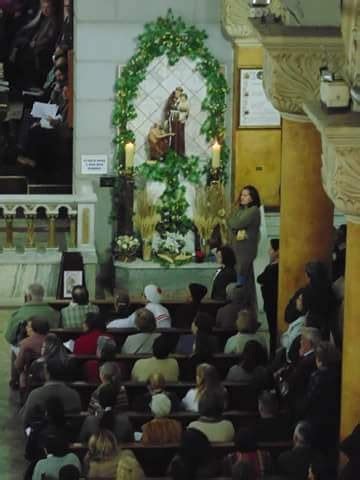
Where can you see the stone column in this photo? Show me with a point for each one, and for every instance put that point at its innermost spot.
(350, 394)
(340, 136)
(306, 212)
(292, 60)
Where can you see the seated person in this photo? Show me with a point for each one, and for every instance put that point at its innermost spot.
(110, 374)
(194, 458)
(161, 430)
(350, 447)
(201, 329)
(95, 327)
(31, 346)
(52, 423)
(226, 274)
(54, 352)
(103, 456)
(106, 351)
(239, 299)
(186, 313)
(247, 327)
(246, 450)
(122, 304)
(58, 456)
(73, 316)
(152, 295)
(207, 380)
(321, 403)
(156, 385)
(53, 387)
(33, 45)
(251, 369)
(69, 472)
(295, 463)
(158, 363)
(210, 422)
(34, 307)
(289, 339)
(141, 342)
(117, 423)
(294, 378)
(271, 426)
(128, 467)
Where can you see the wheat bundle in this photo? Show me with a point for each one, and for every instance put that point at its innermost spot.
(210, 210)
(146, 216)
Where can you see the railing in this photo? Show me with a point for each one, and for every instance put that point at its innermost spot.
(34, 215)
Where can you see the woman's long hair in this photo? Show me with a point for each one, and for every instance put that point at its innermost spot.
(254, 194)
(207, 379)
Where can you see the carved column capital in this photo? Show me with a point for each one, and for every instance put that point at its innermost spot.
(235, 20)
(340, 135)
(293, 57)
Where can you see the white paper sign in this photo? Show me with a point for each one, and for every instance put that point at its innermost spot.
(94, 164)
(255, 108)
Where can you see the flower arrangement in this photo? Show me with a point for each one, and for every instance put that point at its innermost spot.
(170, 250)
(126, 247)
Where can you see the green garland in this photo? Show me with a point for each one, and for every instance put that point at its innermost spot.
(172, 37)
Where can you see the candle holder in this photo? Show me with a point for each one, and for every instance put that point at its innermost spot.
(214, 175)
(129, 173)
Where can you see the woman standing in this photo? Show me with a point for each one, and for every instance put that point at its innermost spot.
(245, 225)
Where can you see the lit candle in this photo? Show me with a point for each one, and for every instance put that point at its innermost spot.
(129, 155)
(216, 148)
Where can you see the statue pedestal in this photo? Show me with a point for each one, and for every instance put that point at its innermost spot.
(173, 281)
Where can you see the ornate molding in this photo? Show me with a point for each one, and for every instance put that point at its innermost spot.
(340, 135)
(292, 61)
(235, 20)
(350, 27)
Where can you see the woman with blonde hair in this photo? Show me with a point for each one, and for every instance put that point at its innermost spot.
(207, 379)
(248, 329)
(103, 456)
(128, 467)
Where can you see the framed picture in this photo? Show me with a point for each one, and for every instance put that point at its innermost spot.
(71, 278)
(255, 110)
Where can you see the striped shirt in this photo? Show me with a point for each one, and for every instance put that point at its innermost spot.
(73, 316)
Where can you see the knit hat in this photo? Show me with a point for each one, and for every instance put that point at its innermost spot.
(197, 291)
(152, 293)
(160, 405)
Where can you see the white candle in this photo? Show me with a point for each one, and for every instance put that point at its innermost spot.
(118, 71)
(216, 148)
(129, 155)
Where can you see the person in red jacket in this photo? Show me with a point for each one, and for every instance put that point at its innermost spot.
(95, 327)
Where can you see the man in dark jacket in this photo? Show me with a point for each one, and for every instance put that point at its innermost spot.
(269, 280)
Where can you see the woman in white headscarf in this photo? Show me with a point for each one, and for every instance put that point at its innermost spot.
(152, 294)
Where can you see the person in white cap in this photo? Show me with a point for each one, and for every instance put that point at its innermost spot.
(152, 294)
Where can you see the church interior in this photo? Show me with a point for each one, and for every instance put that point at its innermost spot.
(179, 239)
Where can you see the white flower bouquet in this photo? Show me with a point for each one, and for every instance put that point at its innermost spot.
(126, 247)
(170, 250)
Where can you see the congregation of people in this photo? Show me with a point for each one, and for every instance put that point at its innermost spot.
(190, 390)
(37, 36)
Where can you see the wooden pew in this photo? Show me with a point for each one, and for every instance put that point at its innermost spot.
(187, 367)
(107, 307)
(155, 459)
(138, 419)
(240, 397)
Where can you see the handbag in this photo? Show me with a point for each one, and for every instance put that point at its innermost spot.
(241, 235)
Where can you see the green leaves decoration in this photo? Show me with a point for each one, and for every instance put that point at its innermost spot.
(172, 37)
